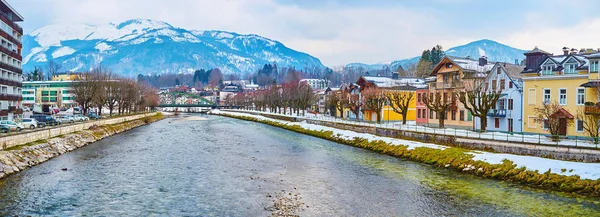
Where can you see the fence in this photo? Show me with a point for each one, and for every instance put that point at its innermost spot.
(23, 138)
(529, 138)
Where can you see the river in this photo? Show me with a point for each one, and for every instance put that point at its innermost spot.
(227, 167)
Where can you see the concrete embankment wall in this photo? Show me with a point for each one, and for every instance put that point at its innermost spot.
(34, 153)
(22, 138)
(546, 151)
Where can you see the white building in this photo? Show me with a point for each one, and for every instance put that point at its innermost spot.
(507, 116)
(316, 84)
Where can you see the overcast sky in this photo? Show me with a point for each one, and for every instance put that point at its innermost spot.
(344, 31)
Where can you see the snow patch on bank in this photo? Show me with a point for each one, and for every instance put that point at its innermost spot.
(583, 170)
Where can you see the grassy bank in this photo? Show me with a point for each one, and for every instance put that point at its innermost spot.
(458, 159)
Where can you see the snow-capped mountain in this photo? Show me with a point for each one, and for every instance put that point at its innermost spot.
(368, 67)
(144, 46)
(495, 51)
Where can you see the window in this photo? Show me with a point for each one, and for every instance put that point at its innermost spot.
(547, 70)
(462, 115)
(579, 125)
(570, 68)
(546, 125)
(546, 95)
(419, 112)
(510, 84)
(497, 122)
(498, 70)
(531, 97)
(469, 116)
(562, 96)
(580, 96)
(453, 115)
(424, 113)
(502, 84)
(418, 97)
(494, 85)
(510, 104)
(501, 104)
(594, 66)
(430, 114)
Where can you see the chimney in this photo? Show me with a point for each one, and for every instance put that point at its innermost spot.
(565, 51)
(394, 75)
(482, 61)
(573, 51)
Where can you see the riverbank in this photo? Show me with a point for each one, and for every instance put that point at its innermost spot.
(561, 176)
(19, 157)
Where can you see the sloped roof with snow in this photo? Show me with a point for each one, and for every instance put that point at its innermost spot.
(468, 64)
(387, 82)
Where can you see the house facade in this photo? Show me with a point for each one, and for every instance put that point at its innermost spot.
(389, 85)
(53, 93)
(557, 78)
(453, 75)
(506, 116)
(422, 110)
(10, 63)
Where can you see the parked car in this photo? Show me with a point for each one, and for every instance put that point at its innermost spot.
(46, 119)
(30, 123)
(65, 119)
(77, 110)
(80, 117)
(13, 125)
(4, 128)
(93, 115)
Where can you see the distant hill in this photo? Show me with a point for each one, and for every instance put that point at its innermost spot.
(493, 50)
(149, 46)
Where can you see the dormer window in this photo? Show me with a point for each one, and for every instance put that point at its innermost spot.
(547, 70)
(594, 66)
(498, 70)
(570, 68)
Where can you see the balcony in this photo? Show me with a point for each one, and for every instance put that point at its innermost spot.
(11, 68)
(10, 97)
(497, 113)
(448, 85)
(592, 110)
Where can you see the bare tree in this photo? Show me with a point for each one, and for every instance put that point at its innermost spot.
(83, 90)
(591, 124)
(52, 68)
(355, 104)
(438, 104)
(551, 116)
(400, 102)
(478, 99)
(337, 101)
(374, 100)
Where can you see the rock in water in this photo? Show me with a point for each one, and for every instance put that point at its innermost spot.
(64, 169)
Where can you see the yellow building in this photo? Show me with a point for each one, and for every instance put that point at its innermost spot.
(66, 76)
(392, 85)
(557, 78)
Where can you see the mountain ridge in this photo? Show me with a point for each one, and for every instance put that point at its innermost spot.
(144, 46)
(483, 47)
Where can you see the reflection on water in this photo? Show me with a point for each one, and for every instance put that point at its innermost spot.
(226, 167)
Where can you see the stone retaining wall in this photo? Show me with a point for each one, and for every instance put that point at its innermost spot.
(22, 138)
(13, 161)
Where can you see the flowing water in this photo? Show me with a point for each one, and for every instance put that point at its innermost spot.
(216, 166)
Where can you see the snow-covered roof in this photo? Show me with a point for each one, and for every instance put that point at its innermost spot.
(387, 82)
(469, 64)
(593, 56)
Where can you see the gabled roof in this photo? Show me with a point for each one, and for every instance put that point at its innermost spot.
(387, 82)
(466, 64)
(513, 71)
(537, 50)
